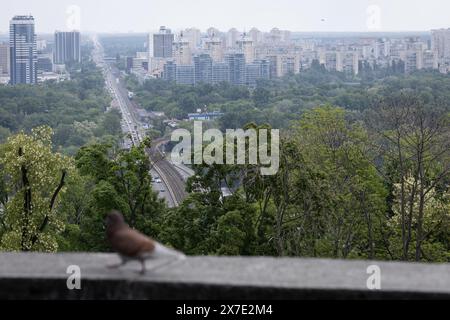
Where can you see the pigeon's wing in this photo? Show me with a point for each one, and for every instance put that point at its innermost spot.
(131, 243)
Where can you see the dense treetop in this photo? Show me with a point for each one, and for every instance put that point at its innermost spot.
(75, 109)
(364, 168)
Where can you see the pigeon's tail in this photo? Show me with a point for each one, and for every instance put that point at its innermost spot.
(162, 251)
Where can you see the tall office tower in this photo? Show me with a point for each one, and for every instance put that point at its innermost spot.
(182, 51)
(232, 38)
(163, 43)
(236, 64)
(255, 35)
(245, 45)
(23, 52)
(203, 68)
(67, 47)
(214, 47)
(5, 60)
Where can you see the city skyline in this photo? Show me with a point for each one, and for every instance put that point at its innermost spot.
(297, 16)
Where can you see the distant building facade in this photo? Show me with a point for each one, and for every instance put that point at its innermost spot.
(162, 44)
(236, 63)
(182, 51)
(203, 68)
(45, 63)
(67, 47)
(5, 59)
(185, 75)
(220, 72)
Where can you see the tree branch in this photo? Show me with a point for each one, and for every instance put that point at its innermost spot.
(51, 206)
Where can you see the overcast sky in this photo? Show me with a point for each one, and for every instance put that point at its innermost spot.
(294, 15)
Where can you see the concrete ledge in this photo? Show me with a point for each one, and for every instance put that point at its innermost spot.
(42, 276)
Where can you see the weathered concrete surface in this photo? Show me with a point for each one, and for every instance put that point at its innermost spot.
(41, 276)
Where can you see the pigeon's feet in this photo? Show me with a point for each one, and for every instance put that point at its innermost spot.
(144, 269)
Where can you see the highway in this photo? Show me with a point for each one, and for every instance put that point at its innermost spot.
(172, 183)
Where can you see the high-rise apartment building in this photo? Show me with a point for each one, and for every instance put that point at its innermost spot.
(275, 36)
(256, 35)
(329, 59)
(23, 51)
(214, 47)
(245, 45)
(185, 75)
(236, 63)
(67, 47)
(232, 38)
(220, 72)
(182, 51)
(275, 69)
(347, 62)
(430, 60)
(170, 71)
(213, 32)
(441, 43)
(290, 64)
(203, 68)
(194, 36)
(259, 69)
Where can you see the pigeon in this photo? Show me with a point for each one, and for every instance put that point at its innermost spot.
(132, 245)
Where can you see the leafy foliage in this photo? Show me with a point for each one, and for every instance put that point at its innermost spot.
(33, 179)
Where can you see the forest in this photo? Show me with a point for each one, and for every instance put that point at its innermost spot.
(75, 109)
(365, 170)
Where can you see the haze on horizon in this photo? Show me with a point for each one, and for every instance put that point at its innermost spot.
(294, 15)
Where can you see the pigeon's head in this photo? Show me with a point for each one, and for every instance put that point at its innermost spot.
(114, 220)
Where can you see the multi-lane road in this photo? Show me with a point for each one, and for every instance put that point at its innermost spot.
(170, 180)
